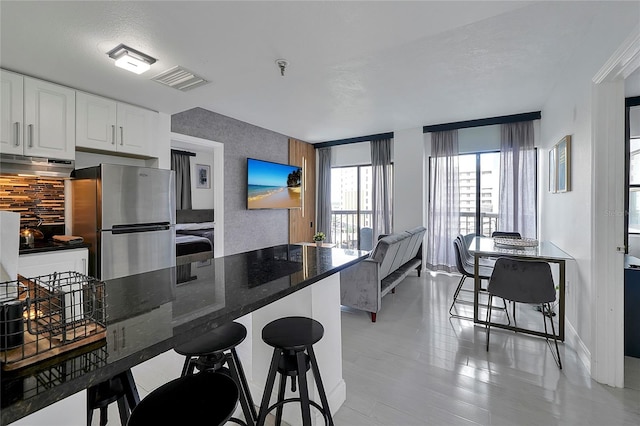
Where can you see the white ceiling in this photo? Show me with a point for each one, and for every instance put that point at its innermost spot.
(356, 68)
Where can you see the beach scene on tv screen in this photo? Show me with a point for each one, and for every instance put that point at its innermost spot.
(273, 185)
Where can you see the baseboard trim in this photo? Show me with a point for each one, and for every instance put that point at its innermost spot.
(576, 343)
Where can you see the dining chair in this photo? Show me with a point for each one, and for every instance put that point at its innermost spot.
(467, 271)
(524, 281)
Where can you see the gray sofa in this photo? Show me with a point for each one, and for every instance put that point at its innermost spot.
(393, 258)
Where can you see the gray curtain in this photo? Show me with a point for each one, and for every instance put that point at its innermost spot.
(323, 221)
(381, 187)
(517, 197)
(444, 202)
(182, 166)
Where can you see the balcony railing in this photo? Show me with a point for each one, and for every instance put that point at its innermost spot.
(488, 223)
(344, 226)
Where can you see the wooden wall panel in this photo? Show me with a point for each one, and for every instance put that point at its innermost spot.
(302, 223)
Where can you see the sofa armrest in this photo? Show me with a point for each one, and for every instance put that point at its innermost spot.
(360, 286)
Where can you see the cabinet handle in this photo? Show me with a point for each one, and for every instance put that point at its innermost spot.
(30, 127)
(113, 134)
(84, 266)
(17, 126)
(121, 135)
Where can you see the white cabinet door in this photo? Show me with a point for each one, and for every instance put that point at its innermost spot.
(36, 264)
(49, 112)
(106, 125)
(95, 122)
(11, 113)
(135, 129)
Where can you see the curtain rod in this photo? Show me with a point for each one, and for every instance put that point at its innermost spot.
(177, 151)
(369, 138)
(504, 119)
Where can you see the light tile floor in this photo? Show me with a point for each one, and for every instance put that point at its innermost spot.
(417, 366)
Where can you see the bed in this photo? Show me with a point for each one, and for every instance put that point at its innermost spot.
(194, 235)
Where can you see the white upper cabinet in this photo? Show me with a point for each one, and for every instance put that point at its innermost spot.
(38, 117)
(11, 113)
(106, 125)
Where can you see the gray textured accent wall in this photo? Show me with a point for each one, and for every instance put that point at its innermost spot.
(244, 229)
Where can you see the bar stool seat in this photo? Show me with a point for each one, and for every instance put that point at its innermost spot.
(121, 389)
(215, 352)
(292, 339)
(204, 398)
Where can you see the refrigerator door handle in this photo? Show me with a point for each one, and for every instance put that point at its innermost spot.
(146, 227)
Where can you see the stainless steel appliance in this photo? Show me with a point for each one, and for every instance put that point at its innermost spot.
(11, 164)
(127, 214)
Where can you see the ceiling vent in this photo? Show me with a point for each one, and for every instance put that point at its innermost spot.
(180, 78)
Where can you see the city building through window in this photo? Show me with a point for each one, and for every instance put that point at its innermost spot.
(351, 207)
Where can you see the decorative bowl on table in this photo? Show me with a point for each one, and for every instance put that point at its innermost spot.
(515, 243)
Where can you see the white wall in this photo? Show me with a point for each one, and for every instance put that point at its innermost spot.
(354, 154)
(479, 139)
(566, 218)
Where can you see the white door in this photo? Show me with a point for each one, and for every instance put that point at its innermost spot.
(135, 129)
(95, 122)
(50, 112)
(11, 113)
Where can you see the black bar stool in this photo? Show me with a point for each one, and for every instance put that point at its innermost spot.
(121, 389)
(203, 398)
(215, 351)
(292, 339)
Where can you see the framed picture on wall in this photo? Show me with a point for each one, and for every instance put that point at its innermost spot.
(203, 176)
(563, 164)
(552, 169)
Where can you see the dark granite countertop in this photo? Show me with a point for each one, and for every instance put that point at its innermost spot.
(161, 309)
(46, 246)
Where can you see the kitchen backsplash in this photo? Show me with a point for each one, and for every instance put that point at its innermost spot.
(33, 198)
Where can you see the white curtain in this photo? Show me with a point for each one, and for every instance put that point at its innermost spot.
(517, 210)
(381, 187)
(444, 204)
(323, 221)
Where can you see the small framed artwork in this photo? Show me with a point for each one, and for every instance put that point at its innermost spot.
(552, 170)
(203, 176)
(563, 164)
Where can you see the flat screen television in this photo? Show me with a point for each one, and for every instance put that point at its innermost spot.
(273, 185)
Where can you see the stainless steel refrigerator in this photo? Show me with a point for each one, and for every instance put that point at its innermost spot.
(127, 214)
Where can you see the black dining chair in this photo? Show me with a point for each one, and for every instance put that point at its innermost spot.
(524, 281)
(467, 271)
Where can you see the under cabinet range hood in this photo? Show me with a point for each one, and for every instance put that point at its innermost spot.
(11, 164)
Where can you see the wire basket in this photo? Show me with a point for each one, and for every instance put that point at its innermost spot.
(47, 315)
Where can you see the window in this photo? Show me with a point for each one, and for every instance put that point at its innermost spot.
(479, 176)
(351, 207)
(634, 186)
(632, 174)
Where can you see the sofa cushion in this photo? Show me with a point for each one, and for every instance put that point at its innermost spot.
(417, 236)
(385, 252)
(402, 251)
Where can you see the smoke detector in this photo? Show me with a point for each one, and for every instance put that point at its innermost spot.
(282, 64)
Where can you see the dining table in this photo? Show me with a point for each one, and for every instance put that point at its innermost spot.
(487, 247)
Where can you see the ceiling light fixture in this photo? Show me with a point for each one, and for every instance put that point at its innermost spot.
(282, 64)
(131, 59)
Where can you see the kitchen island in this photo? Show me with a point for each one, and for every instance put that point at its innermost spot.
(150, 313)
